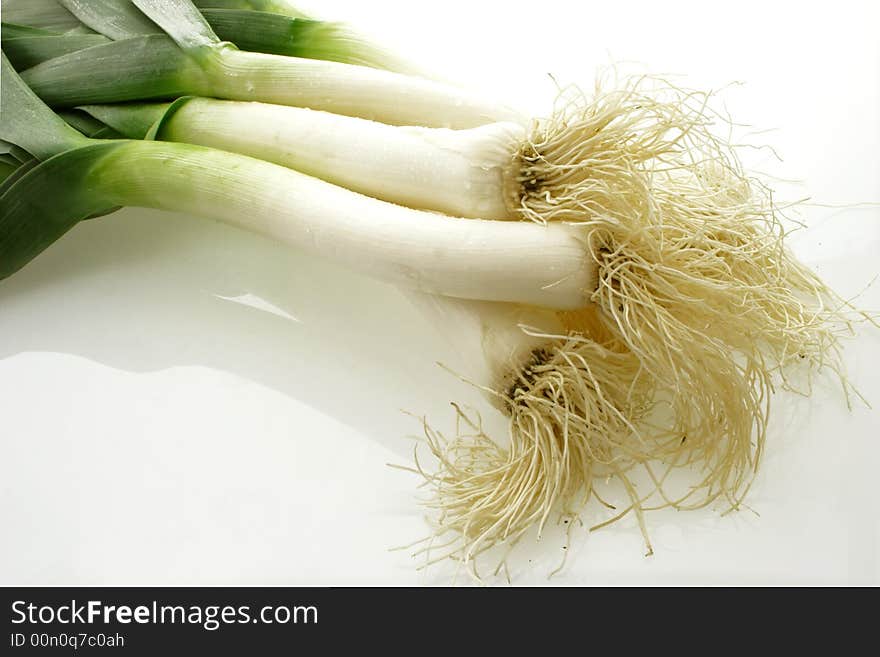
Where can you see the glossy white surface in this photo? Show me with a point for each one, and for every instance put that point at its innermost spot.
(186, 403)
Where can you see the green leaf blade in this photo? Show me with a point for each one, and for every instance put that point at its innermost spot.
(47, 201)
(42, 14)
(280, 7)
(141, 68)
(14, 31)
(27, 122)
(182, 21)
(275, 34)
(115, 19)
(132, 120)
(28, 51)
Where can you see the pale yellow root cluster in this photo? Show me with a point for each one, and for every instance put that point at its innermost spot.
(570, 416)
(699, 309)
(695, 277)
(691, 250)
(694, 274)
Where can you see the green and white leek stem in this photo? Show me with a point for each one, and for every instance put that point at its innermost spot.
(500, 261)
(459, 172)
(248, 30)
(261, 31)
(152, 67)
(503, 261)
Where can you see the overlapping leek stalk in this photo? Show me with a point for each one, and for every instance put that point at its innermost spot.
(287, 33)
(191, 59)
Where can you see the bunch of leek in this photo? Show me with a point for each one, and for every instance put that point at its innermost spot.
(650, 269)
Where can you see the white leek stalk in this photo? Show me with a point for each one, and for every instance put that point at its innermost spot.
(477, 259)
(468, 173)
(191, 59)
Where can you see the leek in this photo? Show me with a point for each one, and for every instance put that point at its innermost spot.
(468, 173)
(668, 260)
(435, 254)
(262, 31)
(194, 61)
(249, 30)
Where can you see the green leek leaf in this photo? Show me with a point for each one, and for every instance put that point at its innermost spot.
(81, 122)
(116, 19)
(57, 193)
(281, 7)
(28, 51)
(13, 31)
(27, 122)
(131, 120)
(182, 21)
(42, 14)
(142, 68)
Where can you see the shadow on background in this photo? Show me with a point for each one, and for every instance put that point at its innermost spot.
(143, 290)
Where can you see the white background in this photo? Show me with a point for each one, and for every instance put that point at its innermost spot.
(183, 403)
